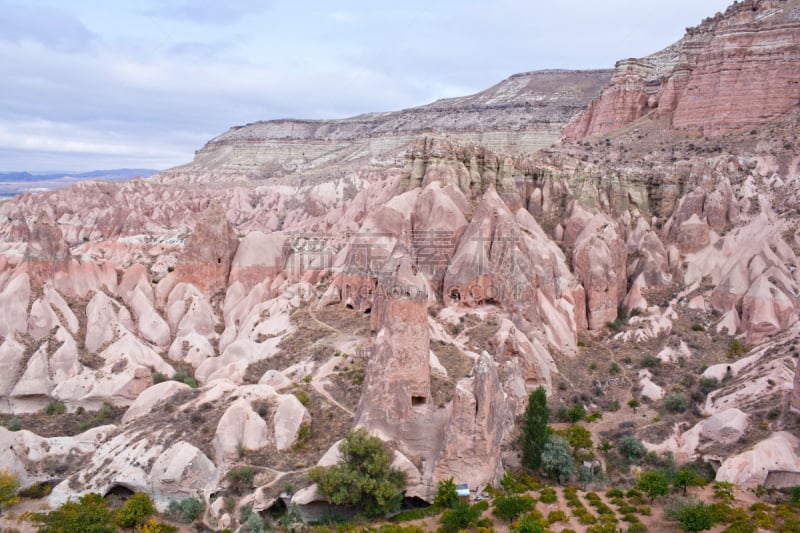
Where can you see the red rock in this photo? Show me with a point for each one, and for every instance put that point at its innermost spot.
(734, 71)
(207, 256)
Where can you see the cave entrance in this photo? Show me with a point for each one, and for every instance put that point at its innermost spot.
(418, 400)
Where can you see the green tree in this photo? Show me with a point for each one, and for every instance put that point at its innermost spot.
(510, 506)
(557, 459)
(631, 448)
(687, 477)
(88, 515)
(696, 517)
(634, 404)
(446, 494)
(461, 516)
(653, 483)
(534, 429)
(186, 510)
(576, 413)
(154, 526)
(136, 510)
(363, 477)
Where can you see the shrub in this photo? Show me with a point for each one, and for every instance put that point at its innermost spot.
(253, 520)
(36, 491)
(186, 510)
(303, 397)
(153, 526)
(548, 495)
(674, 508)
(88, 514)
(698, 327)
(55, 408)
(707, 385)
(736, 348)
(741, 526)
(614, 406)
(576, 413)
(136, 510)
(614, 368)
(185, 378)
(696, 517)
(363, 477)
(461, 516)
(446, 494)
(526, 524)
(14, 425)
(241, 478)
(557, 516)
(614, 493)
(631, 448)
(9, 485)
(675, 403)
(510, 507)
(578, 437)
(650, 361)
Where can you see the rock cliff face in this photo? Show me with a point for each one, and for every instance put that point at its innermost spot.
(735, 70)
(421, 294)
(520, 114)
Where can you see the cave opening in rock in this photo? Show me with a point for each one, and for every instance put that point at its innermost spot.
(418, 400)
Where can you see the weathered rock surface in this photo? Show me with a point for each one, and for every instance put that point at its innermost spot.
(735, 70)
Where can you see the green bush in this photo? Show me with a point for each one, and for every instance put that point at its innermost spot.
(55, 408)
(363, 477)
(186, 510)
(614, 493)
(303, 397)
(446, 494)
(576, 413)
(548, 495)
(736, 348)
(510, 507)
(557, 516)
(631, 448)
(526, 524)
(136, 510)
(676, 403)
(253, 521)
(185, 378)
(697, 517)
(37, 491)
(461, 516)
(89, 514)
(241, 478)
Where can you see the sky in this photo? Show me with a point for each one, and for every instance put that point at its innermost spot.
(97, 84)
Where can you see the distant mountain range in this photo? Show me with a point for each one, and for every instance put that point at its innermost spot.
(12, 183)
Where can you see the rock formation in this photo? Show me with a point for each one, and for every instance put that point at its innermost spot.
(735, 70)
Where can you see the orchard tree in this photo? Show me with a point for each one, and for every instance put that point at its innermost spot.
(653, 484)
(687, 477)
(534, 429)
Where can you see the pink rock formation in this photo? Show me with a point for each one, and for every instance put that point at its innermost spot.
(208, 254)
(733, 71)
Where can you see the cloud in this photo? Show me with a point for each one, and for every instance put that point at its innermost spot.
(48, 27)
(210, 11)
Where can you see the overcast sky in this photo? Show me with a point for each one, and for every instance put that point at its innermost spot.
(88, 84)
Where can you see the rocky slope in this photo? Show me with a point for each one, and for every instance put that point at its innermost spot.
(735, 70)
(422, 296)
(520, 114)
